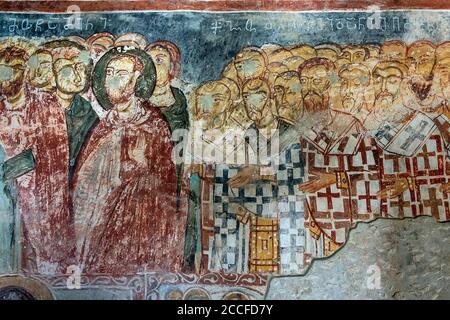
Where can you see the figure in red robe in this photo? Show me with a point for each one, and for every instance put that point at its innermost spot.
(33, 132)
(124, 189)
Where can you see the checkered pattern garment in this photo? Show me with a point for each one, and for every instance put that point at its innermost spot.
(337, 207)
(369, 168)
(281, 201)
(425, 172)
(291, 203)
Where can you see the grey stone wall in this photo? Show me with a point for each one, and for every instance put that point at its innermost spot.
(411, 257)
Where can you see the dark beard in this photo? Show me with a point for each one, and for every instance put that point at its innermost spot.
(421, 89)
(128, 91)
(118, 99)
(12, 89)
(313, 102)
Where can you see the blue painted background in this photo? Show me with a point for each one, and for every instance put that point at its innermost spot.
(208, 40)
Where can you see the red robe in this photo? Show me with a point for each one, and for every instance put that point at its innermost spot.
(52, 224)
(16, 133)
(43, 193)
(125, 205)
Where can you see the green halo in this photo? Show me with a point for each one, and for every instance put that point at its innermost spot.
(145, 84)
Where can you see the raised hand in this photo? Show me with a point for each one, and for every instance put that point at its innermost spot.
(445, 187)
(244, 177)
(394, 190)
(322, 180)
(137, 152)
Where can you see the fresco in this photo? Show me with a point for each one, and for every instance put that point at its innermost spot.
(195, 155)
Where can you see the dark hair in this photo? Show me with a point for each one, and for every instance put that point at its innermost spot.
(328, 64)
(12, 52)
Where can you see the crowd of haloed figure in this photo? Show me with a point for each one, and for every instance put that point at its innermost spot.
(362, 132)
(87, 150)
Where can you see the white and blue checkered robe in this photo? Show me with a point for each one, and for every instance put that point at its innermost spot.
(281, 200)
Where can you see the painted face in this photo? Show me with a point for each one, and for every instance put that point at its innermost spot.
(421, 60)
(288, 97)
(353, 85)
(386, 84)
(161, 59)
(70, 75)
(120, 79)
(212, 100)
(393, 51)
(255, 100)
(314, 83)
(40, 74)
(12, 74)
(249, 65)
(327, 54)
(354, 55)
(442, 76)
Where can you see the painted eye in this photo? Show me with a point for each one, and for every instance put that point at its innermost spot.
(278, 89)
(393, 80)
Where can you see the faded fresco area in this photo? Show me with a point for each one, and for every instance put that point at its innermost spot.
(137, 163)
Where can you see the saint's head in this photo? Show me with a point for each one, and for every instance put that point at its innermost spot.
(274, 69)
(354, 84)
(131, 40)
(99, 43)
(122, 73)
(71, 66)
(355, 54)
(393, 50)
(420, 59)
(387, 78)
(329, 51)
(316, 76)
(250, 63)
(40, 70)
(303, 51)
(288, 96)
(441, 71)
(278, 55)
(212, 101)
(256, 97)
(12, 71)
(166, 57)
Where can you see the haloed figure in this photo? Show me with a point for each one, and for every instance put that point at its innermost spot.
(354, 54)
(166, 57)
(388, 108)
(420, 60)
(315, 80)
(35, 133)
(71, 65)
(125, 183)
(354, 86)
(212, 101)
(250, 63)
(257, 100)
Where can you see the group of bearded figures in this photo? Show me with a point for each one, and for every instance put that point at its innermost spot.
(90, 164)
(361, 132)
(86, 155)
